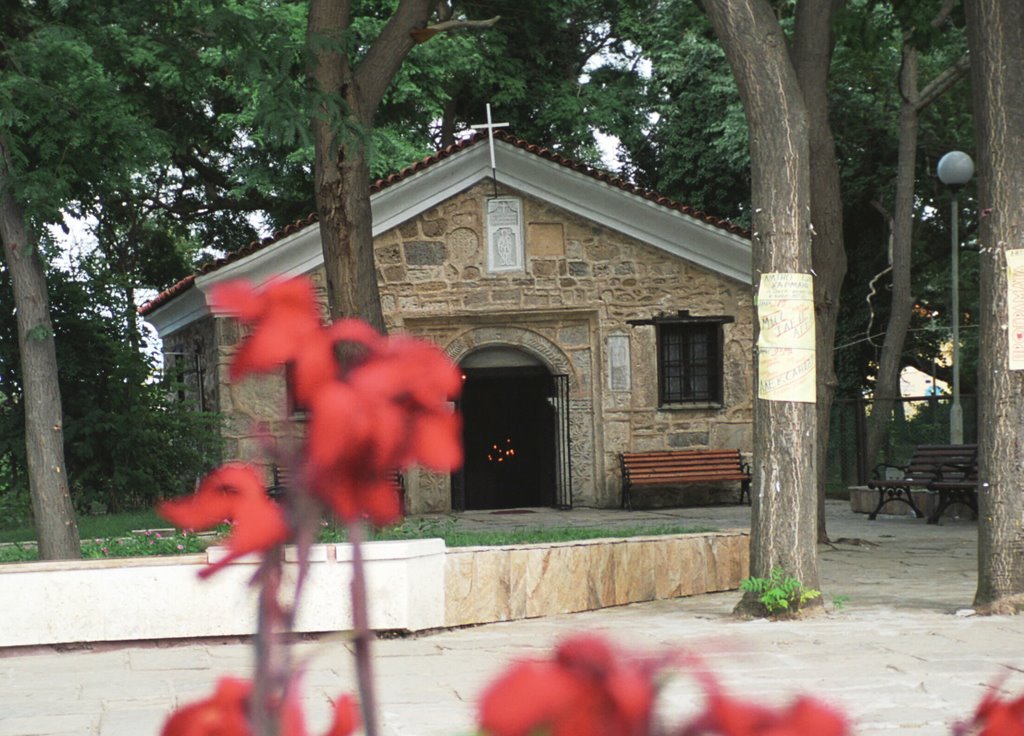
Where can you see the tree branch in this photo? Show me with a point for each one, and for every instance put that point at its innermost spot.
(943, 14)
(946, 79)
(375, 71)
(422, 35)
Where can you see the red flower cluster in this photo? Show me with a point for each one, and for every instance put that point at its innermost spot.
(996, 717)
(728, 716)
(235, 493)
(224, 714)
(381, 407)
(587, 689)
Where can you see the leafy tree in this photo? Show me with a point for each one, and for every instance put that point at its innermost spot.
(680, 125)
(129, 441)
(130, 115)
(913, 101)
(349, 80)
(61, 122)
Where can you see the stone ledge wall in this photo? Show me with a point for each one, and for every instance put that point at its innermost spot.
(483, 585)
(412, 585)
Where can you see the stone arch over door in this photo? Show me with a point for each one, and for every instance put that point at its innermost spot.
(558, 362)
(528, 341)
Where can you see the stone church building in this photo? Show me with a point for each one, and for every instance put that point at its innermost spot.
(589, 317)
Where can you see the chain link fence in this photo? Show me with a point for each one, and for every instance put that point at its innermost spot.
(919, 420)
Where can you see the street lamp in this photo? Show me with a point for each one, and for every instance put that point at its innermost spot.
(956, 169)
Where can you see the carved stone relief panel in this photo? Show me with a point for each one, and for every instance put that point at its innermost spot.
(504, 234)
(619, 378)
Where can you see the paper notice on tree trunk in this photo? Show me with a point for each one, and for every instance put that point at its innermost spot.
(785, 312)
(1015, 306)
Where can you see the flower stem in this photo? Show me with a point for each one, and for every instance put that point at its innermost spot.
(363, 637)
(272, 658)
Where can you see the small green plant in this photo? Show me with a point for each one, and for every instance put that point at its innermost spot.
(781, 592)
(839, 602)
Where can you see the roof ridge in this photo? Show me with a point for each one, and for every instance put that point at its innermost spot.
(428, 161)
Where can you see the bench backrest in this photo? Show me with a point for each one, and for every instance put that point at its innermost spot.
(682, 461)
(948, 462)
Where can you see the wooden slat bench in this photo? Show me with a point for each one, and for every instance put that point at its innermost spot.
(951, 471)
(958, 483)
(680, 468)
(280, 480)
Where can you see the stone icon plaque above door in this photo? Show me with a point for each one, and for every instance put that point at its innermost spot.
(504, 234)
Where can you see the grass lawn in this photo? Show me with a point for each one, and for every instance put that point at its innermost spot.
(454, 537)
(93, 527)
(111, 536)
(563, 534)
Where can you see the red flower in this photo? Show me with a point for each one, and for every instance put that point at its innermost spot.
(727, 716)
(284, 317)
(376, 404)
(996, 717)
(236, 493)
(388, 410)
(346, 717)
(587, 690)
(222, 714)
(225, 713)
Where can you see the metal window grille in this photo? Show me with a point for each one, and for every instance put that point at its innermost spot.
(689, 362)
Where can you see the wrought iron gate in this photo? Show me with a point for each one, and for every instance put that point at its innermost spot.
(563, 454)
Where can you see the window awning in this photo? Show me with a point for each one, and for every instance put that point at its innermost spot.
(682, 317)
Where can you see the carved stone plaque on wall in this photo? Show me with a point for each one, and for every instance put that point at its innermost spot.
(504, 234)
(618, 363)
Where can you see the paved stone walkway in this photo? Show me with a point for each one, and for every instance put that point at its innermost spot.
(901, 657)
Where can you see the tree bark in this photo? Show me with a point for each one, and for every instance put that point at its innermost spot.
(783, 529)
(342, 129)
(996, 41)
(52, 511)
(813, 42)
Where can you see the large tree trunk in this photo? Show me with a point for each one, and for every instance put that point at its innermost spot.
(996, 39)
(342, 130)
(783, 530)
(813, 43)
(54, 515)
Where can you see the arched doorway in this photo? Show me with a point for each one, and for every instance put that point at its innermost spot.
(513, 410)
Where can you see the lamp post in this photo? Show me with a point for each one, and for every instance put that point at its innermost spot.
(955, 169)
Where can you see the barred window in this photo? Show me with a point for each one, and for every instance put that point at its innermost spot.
(690, 358)
(689, 363)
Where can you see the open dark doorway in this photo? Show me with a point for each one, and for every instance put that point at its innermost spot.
(510, 437)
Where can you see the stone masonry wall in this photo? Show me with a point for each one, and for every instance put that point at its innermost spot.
(580, 285)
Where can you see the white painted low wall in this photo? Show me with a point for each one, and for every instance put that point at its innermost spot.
(411, 585)
(163, 598)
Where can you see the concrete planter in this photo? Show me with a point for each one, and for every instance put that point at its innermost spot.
(412, 586)
(864, 500)
(163, 597)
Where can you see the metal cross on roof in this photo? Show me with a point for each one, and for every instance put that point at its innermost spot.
(489, 127)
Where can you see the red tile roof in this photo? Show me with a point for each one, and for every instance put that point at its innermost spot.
(381, 184)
